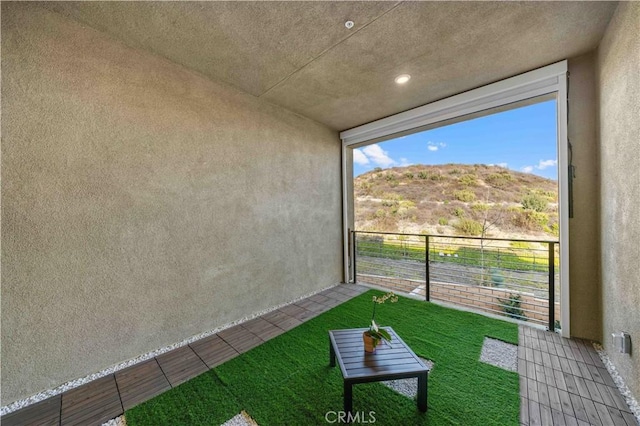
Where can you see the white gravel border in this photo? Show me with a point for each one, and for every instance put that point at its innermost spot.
(617, 379)
(118, 421)
(41, 396)
(240, 419)
(408, 387)
(499, 354)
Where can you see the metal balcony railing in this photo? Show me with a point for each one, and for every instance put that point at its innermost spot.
(508, 277)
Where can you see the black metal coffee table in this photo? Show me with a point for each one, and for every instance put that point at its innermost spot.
(389, 362)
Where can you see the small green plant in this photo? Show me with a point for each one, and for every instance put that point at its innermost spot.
(443, 221)
(389, 177)
(464, 195)
(458, 212)
(423, 175)
(375, 332)
(513, 307)
(377, 169)
(409, 175)
(436, 177)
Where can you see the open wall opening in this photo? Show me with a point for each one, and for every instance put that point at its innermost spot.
(469, 229)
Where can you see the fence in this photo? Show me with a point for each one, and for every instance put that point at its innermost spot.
(508, 277)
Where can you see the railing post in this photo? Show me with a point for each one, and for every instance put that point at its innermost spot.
(552, 287)
(355, 254)
(427, 280)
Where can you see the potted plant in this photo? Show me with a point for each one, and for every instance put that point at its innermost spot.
(375, 334)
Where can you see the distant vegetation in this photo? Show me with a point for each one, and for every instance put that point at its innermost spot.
(456, 199)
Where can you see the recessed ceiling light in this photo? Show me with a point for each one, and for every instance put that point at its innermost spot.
(403, 78)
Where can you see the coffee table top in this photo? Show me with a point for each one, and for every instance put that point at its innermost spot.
(395, 359)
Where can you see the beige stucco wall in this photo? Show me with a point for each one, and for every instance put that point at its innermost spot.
(618, 77)
(143, 203)
(584, 242)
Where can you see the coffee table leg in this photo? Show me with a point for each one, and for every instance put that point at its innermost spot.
(348, 395)
(332, 354)
(422, 392)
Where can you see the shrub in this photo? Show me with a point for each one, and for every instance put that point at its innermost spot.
(468, 227)
(423, 175)
(403, 209)
(409, 175)
(464, 195)
(513, 307)
(365, 187)
(443, 221)
(480, 207)
(530, 219)
(377, 169)
(458, 212)
(455, 171)
(534, 201)
(436, 177)
(389, 177)
(468, 180)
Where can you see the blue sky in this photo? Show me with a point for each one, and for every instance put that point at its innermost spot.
(522, 139)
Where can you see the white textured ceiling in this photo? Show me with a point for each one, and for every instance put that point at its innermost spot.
(300, 55)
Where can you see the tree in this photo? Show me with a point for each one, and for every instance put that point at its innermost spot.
(489, 218)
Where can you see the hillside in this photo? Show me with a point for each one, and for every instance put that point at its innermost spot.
(456, 199)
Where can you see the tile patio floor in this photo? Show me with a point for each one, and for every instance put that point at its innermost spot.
(562, 382)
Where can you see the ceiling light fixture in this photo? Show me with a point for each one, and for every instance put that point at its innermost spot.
(403, 78)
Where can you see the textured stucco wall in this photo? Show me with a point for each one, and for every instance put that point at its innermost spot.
(143, 204)
(584, 243)
(619, 126)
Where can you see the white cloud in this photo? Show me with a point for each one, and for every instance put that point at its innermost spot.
(378, 156)
(434, 146)
(359, 157)
(405, 162)
(527, 169)
(543, 164)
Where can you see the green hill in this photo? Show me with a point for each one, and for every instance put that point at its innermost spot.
(457, 199)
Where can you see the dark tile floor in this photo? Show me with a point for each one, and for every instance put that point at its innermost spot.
(562, 382)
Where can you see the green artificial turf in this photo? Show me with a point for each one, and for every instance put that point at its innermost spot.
(288, 381)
